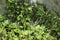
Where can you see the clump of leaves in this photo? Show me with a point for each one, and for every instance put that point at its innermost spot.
(23, 22)
(13, 31)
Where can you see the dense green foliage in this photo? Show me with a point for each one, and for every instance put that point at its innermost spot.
(13, 31)
(23, 21)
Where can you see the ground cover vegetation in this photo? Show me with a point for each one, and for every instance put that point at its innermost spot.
(23, 21)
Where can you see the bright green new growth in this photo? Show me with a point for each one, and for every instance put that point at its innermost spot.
(13, 31)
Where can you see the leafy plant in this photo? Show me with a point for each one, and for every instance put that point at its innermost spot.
(23, 21)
